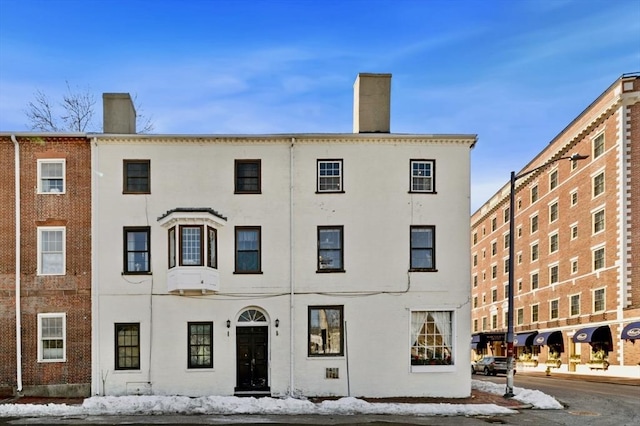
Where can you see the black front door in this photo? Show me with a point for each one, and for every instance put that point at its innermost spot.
(251, 359)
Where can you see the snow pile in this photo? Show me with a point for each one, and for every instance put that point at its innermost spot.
(226, 405)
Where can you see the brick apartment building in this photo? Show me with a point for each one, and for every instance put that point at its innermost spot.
(45, 264)
(577, 241)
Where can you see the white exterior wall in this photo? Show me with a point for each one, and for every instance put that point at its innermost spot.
(376, 210)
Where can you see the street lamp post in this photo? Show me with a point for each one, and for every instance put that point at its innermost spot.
(512, 194)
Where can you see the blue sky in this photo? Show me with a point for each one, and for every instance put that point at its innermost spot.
(515, 72)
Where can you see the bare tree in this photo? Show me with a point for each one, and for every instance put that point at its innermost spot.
(74, 114)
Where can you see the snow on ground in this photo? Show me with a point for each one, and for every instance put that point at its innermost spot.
(155, 405)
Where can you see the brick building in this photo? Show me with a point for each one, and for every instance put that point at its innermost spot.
(48, 233)
(576, 285)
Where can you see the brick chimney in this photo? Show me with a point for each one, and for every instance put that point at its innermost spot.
(372, 103)
(118, 113)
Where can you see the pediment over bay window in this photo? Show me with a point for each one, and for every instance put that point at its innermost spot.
(192, 234)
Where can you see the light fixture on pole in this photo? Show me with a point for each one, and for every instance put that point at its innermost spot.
(509, 338)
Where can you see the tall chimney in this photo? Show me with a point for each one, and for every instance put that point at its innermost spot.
(118, 113)
(372, 103)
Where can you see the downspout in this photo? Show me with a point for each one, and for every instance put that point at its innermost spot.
(18, 312)
(97, 378)
(291, 272)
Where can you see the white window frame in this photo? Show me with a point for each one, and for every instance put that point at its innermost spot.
(322, 180)
(554, 236)
(593, 257)
(557, 269)
(554, 206)
(571, 298)
(574, 262)
(535, 306)
(41, 178)
(553, 179)
(593, 145)
(551, 302)
(452, 346)
(593, 184)
(593, 220)
(573, 198)
(40, 266)
(604, 299)
(428, 181)
(573, 235)
(41, 339)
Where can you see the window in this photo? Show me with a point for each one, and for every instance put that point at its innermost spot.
(136, 250)
(137, 177)
(574, 198)
(127, 345)
(553, 212)
(554, 309)
(423, 175)
(494, 224)
(51, 250)
(598, 258)
(494, 321)
(248, 250)
(506, 292)
(475, 301)
(553, 243)
(598, 184)
(172, 247)
(200, 335)
(475, 260)
(329, 176)
(519, 258)
(519, 285)
(574, 232)
(534, 313)
(475, 281)
(598, 221)
(326, 332)
(247, 180)
(553, 274)
(506, 241)
(598, 146)
(432, 337)
(494, 272)
(330, 248)
(51, 176)
(534, 281)
(423, 256)
(506, 214)
(534, 224)
(534, 252)
(191, 245)
(574, 301)
(52, 335)
(520, 316)
(598, 300)
(475, 238)
(553, 180)
(484, 323)
(494, 248)
(475, 325)
(574, 266)
(494, 295)
(506, 266)
(534, 194)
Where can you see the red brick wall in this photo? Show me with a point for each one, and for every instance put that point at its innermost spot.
(69, 293)
(585, 280)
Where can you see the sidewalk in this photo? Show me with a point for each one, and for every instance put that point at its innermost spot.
(584, 377)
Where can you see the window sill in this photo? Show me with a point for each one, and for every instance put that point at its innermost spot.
(423, 270)
(330, 192)
(330, 271)
(136, 193)
(247, 272)
(423, 192)
(137, 273)
(247, 192)
(433, 368)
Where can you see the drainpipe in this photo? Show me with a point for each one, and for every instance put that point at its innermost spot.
(18, 312)
(291, 272)
(96, 377)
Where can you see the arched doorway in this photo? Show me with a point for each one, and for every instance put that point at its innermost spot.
(252, 353)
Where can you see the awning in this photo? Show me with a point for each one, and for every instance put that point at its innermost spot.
(524, 339)
(478, 341)
(631, 331)
(550, 338)
(593, 335)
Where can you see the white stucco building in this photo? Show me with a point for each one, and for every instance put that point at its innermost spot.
(313, 264)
